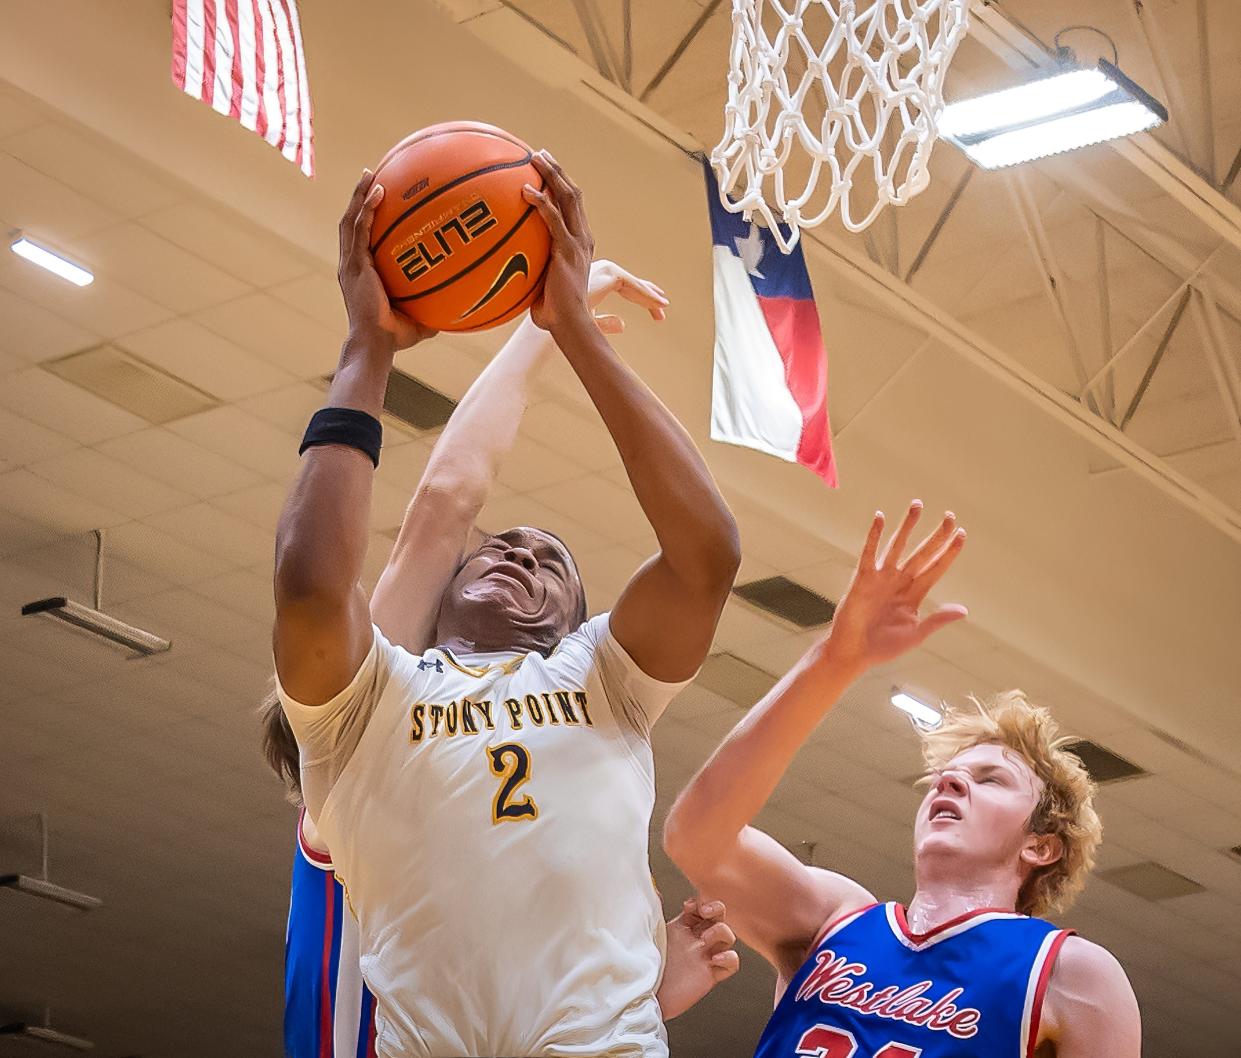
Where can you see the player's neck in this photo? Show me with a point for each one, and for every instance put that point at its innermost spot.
(943, 897)
(463, 646)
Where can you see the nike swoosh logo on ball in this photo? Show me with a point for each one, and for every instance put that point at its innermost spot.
(517, 265)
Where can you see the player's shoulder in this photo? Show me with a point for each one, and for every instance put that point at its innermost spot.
(1081, 962)
(1089, 1000)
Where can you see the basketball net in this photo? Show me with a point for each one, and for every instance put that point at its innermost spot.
(873, 71)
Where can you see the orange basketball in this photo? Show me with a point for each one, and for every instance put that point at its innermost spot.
(457, 246)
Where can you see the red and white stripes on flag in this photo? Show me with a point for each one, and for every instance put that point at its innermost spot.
(244, 58)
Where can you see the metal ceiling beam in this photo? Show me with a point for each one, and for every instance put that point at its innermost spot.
(1051, 274)
(1108, 397)
(1187, 292)
(944, 327)
(679, 50)
(1149, 28)
(597, 37)
(941, 325)
(1213, 346)
(940, 221)
(1134, 338)
(995, 32)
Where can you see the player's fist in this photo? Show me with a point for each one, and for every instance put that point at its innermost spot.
(700, 956)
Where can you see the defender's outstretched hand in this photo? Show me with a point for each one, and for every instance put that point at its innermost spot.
(372, 318)
(700, 956)
(608, 278)
(878, 618)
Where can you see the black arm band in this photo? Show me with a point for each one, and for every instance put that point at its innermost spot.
(344, 426)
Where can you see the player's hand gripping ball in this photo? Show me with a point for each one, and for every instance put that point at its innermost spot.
(457, 246)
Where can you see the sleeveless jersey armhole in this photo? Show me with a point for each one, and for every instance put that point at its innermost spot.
(1036, 990)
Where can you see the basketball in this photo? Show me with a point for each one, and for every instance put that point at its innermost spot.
(457, 246)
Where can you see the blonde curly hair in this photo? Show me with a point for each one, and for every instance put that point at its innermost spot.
(1066, 806)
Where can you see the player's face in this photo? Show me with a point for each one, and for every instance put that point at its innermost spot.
(979, 807)
(520, 589)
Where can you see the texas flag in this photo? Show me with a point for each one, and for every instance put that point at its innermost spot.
(769, 386)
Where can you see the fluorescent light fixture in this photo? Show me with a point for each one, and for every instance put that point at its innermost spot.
(53, 262)
(42, 1034)
(100, 624)
(45, 890)
(919, 712)
(1070, 109)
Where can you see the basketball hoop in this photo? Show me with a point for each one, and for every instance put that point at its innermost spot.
(879, 68)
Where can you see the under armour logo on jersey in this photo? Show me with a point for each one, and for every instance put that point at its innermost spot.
(437, 665)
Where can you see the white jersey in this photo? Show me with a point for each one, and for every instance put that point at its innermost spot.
(488, 816)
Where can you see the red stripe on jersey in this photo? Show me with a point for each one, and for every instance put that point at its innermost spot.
(918, 938)
(1040, 990)
(370, 1033)
(834, 922)
(319, 859)
(326, 1034)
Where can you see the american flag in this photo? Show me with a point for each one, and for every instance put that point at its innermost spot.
(244, 58)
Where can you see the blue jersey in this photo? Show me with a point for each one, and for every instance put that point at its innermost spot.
(971, 988)
(328, 1010)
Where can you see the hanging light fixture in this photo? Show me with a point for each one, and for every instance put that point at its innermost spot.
(1072, 107)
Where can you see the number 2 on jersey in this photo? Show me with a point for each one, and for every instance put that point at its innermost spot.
(824, 1041)
(510, 762)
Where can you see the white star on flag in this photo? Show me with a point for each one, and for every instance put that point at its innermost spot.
(750, 250)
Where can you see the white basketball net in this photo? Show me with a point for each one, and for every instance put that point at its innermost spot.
(880, 72)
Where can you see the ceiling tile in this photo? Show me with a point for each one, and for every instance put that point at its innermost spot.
(34, 334)
(291, 406)
(166, 555)
(608, 509)
(56, 404)
(22, 441)
(157, 269)
(255, 256)
(17, 116)
(106, 308)
(101, 172)
(246, 592)
(259, 505)
(47, 209)
(38, 500)
(211, 529)
(204, 359)
(276, 333)
(508, 511)
(243, 439)
(178, 462)
(564, 429)
(108, 481)
(317, 296)
(19, 534)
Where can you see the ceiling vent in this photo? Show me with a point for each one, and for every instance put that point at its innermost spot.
(738, 681)
(788, 600)
(415, 403)
(1151, 881)
(130, 383)
(1103, 765)
(410, 404)
(1235, 852)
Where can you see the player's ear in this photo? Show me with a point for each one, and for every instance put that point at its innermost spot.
(1041, 850)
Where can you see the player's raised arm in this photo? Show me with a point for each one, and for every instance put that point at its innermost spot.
(776, 904)
(323, 626)
(666, 617)
(462, 470)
